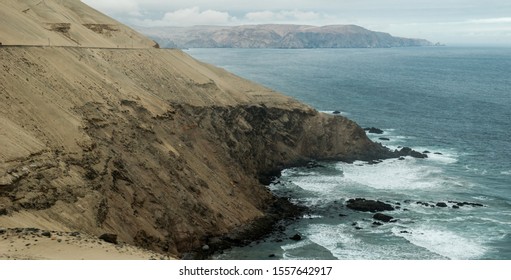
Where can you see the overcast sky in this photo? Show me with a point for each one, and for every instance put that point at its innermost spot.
(446, 21)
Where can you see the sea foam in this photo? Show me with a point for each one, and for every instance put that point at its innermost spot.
(394, 174)
(443, 242)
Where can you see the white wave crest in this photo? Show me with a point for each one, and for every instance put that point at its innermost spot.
(394, 174)
(444, 243)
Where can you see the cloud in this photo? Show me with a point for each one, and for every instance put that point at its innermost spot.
(290, 16)
(189, 17)
(127, 8)
(196, 16)
(491, 20)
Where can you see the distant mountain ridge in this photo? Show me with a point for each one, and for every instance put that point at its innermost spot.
(284, 36)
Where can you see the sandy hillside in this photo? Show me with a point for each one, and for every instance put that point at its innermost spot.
(63, 23)
(36, 244)
(149, 144)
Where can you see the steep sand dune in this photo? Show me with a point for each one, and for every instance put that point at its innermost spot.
(149, 144)
(63, 23)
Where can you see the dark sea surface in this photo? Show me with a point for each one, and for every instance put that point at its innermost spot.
(455, 102)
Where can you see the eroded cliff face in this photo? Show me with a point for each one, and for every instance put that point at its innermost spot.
(149, 144)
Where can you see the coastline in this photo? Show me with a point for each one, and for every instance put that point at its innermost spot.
(151, 145)
(108, 155)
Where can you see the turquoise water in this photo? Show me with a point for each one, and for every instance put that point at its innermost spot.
(451, 101)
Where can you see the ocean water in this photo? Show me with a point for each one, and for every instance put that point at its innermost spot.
(453, 102)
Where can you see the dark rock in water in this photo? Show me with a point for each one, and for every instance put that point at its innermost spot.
(377, 224)
(401, 158)
(441, 204)
(296, 237)
(455, 207)
(467, 203)
(358, 228)
(354, 223)
(361, 204)
(336, 112)
(404, 231)
(426, 152)
(271, 256)
(384, 139)
(313, 164)
(416, 154)
(373, 130)
(382, 217)
(438, 153)
(343, 215)
(406, 151)
(109, 237)
(405, 209)
(474, 204)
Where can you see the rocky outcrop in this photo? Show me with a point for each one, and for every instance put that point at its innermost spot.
(382, 217)
(109, 237)
(373, 130)
(361, 204)
(406, 151)
(277, 36)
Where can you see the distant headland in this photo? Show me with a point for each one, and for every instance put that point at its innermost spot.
(283, 36)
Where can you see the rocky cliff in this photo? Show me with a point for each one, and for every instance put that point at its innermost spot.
(146, 143)
(277, 36)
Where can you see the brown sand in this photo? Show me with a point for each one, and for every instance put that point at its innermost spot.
(63, 23)
(35, 244)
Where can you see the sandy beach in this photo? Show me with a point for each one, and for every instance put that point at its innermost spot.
(36, 244)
